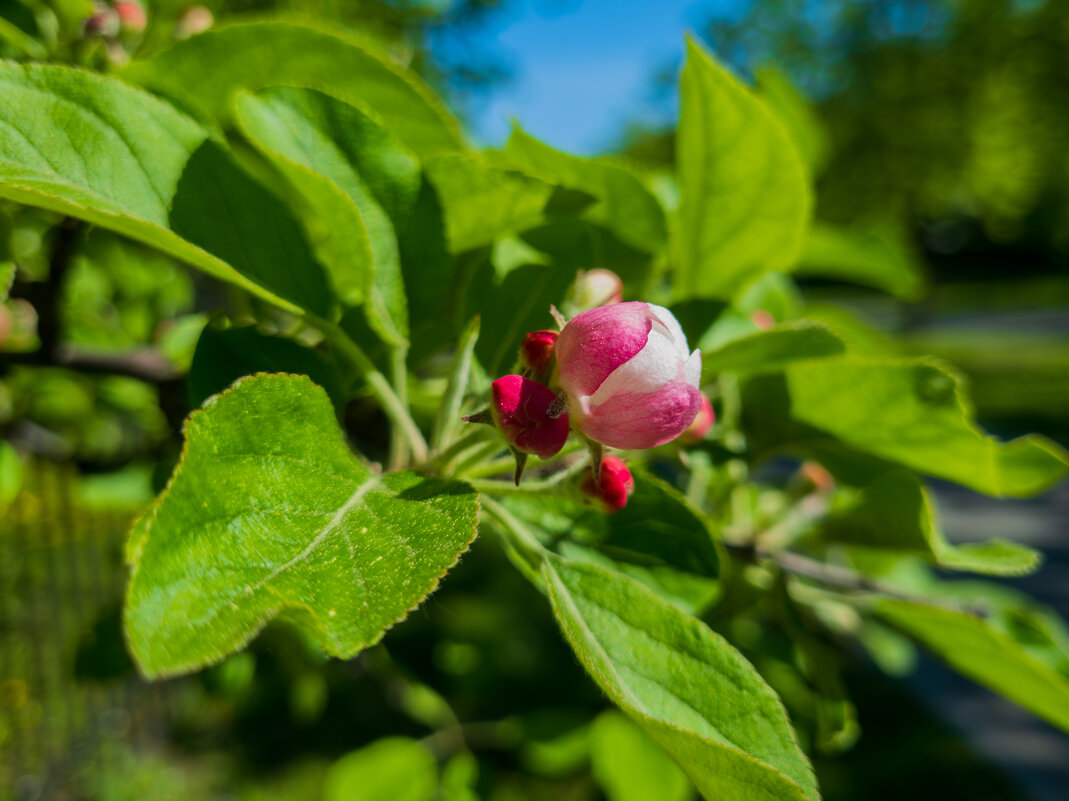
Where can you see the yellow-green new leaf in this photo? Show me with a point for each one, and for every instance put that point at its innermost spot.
(683, 684)
(269, 513)
(744, 193)
(765, 351)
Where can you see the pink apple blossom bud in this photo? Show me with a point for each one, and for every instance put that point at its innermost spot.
(194, 20)
(536, 352)
(627, 374)
(520, 408)
(702, 422)
(616, 485)
(763, 319)
(132, 16)
(598, 287)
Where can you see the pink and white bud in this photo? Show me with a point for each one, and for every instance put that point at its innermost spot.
(536, 352)
(194, 20)
(598, 287)
(132, 16)
(763, 319)
(520, 408)
(616, 485)
(703, 421)
(628, 376)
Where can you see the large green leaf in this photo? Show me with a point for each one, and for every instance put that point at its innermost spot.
(268, 513)
(744, 196)
(895, 513)
(684, 685)
(796, 114)
(625, 206)
(102, 151)
(357, 178)
(482, 201)
(764, 351)
(914, 412)
(992, 658)
(865, 256)
(391, 769)
(206, 71)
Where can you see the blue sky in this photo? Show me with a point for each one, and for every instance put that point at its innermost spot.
(582, 68)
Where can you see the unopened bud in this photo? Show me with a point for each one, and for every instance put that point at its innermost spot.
(616, 485)
(536, 352)
(104, 21)
(763, 319)
(521, 409)
(702, 422)
(132, 16)
(598, 287)
(194, 20)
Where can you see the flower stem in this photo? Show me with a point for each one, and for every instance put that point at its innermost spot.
(399, 446)
(545, 485)
(394, 407)
(449, 411)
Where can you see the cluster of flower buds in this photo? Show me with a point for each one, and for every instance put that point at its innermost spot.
(620, 374)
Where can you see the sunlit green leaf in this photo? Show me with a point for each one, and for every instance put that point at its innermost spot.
(357, 177)
(99, 150)
(744, 195)
(482, 201)
(796, 114)
(206, 71)
(624, 204)
(630, 766)
(862, 256)
(684, 685)
(914, 412)
(990, 657)
(391, 769)
(269, 513)
(763, 351)
(895, 513)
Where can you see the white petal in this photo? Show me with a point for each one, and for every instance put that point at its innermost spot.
(649, 370)
(694, 369)
(672, 326)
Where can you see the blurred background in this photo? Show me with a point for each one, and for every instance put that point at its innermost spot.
(941, 124)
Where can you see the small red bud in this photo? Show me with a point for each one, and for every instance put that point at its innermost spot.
(615, 487)
(536, 352)
(703, 421)
(521, 409)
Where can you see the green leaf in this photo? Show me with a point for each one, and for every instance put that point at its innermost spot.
(914, 412)
(205, 72)
(766, 351)
(684, 685)
(657, 539)
(391, 769)
(895, 513)
(630, 766)
(7, 278)
(102, 151)
(357, 178)
(10, 473)
(864, 256)
(268, 512)
(625, 206)
(223, 355)
(482, 201)
(974, 647)
(796, 114)
(744, 196)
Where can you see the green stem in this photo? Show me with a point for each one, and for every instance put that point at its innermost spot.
(392, 405)
(399, 447)
(546, 485)
(522, 541)
(449, 411)
(477, 435)
(506, 464)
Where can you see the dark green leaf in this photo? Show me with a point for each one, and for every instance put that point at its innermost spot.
(745, 200)
(684, 685)
(207, 71)
(914, 412)
(269, 513)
